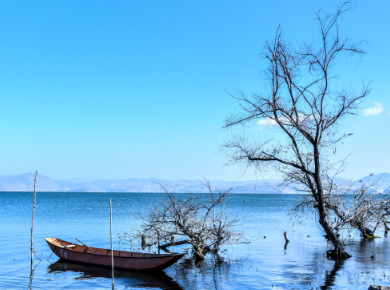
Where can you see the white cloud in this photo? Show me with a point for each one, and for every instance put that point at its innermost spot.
(377, 109)
(270, 122)
(266, 122)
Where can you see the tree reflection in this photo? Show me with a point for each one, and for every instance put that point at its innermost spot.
(212, 273)
(330, 277)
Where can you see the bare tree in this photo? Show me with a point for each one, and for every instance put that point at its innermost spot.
(197, 219)
(304, 105)
(351, 208)
(365, 213)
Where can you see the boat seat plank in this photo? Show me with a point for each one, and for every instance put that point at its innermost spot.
(67, 246)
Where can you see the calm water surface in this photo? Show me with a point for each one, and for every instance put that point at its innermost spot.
(263, 264)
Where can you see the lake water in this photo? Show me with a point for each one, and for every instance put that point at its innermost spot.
(265, 263)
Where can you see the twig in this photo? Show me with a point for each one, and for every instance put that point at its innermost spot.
(112, 250)
(32, 225)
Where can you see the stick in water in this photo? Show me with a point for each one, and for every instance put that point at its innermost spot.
(285, 236)
(33, 215)
(112, 250)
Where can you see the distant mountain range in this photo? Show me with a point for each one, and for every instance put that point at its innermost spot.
(25, 182)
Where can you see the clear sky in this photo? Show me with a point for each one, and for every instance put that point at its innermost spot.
(120, 89)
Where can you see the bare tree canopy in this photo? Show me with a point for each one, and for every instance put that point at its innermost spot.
(366, 213)
(197, 219)
(303, 102)
(352, 208)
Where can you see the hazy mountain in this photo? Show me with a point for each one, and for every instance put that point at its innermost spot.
(129, 185)
(25, 182)
(379, 181)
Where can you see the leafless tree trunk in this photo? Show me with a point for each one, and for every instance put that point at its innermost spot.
(33, 215)
(306, 109)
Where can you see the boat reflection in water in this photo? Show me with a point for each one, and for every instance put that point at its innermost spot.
(135, 279)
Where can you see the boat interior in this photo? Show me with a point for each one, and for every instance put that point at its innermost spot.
(99, 251)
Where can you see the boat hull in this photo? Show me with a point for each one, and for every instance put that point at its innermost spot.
(102, 257)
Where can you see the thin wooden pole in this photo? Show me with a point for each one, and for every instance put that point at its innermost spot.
(33, 215)
(112, 250)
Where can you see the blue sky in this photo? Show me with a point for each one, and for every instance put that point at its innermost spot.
(120, 89)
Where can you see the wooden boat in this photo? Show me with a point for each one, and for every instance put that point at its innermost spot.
(102, 257)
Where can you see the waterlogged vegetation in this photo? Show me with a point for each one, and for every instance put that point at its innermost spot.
(197, 220)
